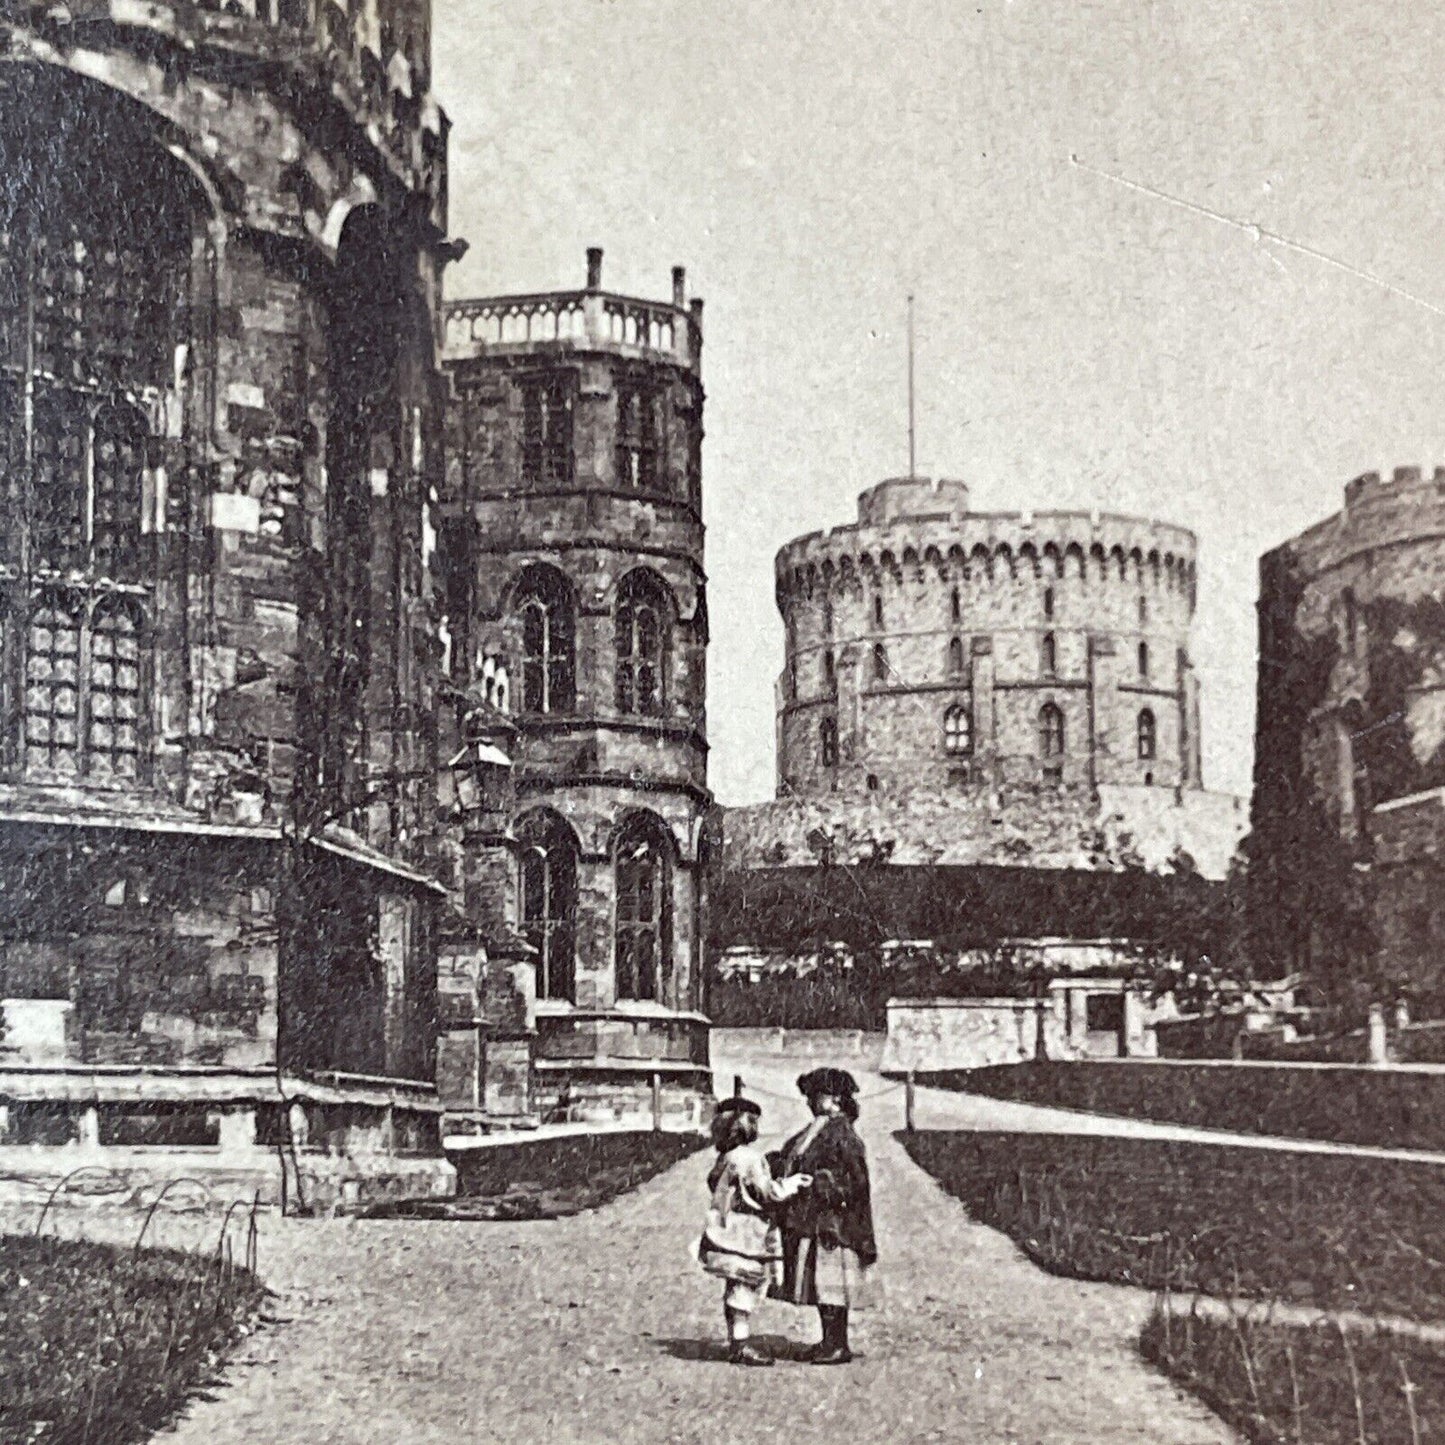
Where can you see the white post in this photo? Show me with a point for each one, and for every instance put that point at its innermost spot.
(1378, 1045)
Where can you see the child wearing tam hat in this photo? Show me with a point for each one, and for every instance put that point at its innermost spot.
(740, 1242)
(827, 1234)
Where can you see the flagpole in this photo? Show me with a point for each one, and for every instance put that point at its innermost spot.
(912, 457)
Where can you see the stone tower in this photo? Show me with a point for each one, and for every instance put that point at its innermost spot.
(221, 235)
(932, 648)
(572, 542)
(1350, 744)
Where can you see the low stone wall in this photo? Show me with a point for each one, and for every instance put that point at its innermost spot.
(315, 1144)
(679, 1098)
(937, 1034)
(934, 1035)
(1399, 1106)
(861, 1046)
(1017, 827)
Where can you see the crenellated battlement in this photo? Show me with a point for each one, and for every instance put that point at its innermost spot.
(937, 536)
(1380, 510)
(1371, 486)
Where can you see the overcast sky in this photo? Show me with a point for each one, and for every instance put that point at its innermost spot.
(1081, 343)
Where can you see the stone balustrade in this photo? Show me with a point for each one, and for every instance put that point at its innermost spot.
(574, 320)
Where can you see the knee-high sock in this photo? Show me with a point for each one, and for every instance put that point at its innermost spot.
(739, 1324)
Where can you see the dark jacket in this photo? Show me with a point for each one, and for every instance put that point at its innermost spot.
(838, 1210)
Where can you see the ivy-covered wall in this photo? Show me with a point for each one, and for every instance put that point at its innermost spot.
(1351, 716)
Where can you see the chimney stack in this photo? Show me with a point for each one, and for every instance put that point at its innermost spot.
(679, 286)
(594, 268)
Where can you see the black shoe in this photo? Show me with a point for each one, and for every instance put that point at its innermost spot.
(835, 1355)
(745, 1354)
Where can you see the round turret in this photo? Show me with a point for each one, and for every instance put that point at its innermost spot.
(930, 647)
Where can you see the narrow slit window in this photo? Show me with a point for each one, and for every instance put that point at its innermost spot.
(1051, 732)
(828, 743)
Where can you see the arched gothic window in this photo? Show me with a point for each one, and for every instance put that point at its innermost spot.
(955, 606)
(830, 671)
(955, 657)
(1049, 655)
(1144, 659)
(958, 731)
(642, 869)
(643, 628)
(1148, 736)
(91, 286)
(1051, 732)
(1048, 602)
(828, 742)
(877, 610)
(549, 901)
(880, 662)
(544, 605)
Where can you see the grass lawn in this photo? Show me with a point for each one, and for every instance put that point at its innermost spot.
(1310, 1229)
(1331, 1232)
(1306, 1384)
(550, 1178)
(101, 1345)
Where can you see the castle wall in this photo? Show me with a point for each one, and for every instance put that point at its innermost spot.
(1021, 827)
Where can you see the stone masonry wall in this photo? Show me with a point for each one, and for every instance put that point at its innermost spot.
(294, 175)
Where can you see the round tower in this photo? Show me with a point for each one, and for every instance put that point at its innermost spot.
(931, 648)
(572, 521)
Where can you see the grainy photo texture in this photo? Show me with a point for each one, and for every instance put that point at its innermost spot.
(876, 879)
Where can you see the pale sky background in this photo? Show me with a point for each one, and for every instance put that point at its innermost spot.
(1080, 344)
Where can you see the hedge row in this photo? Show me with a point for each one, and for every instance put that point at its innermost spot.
(1391, 1108)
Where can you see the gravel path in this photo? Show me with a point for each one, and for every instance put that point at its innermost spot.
(600, 1328)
